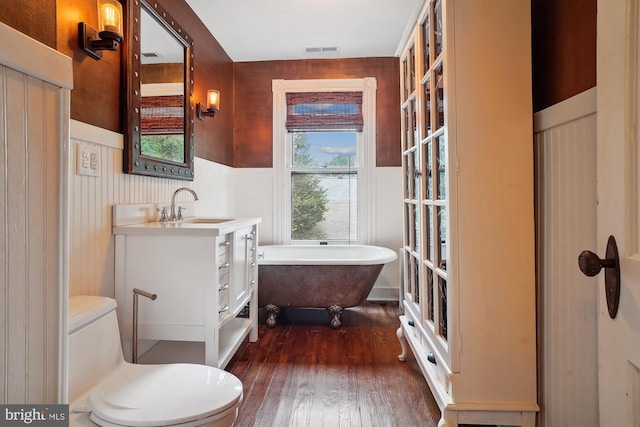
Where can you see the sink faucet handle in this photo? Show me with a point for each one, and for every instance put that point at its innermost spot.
(163, 214)
(180, 209)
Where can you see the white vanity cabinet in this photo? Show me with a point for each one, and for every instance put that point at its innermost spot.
(203, 276)
(244, 267)
(468, 253)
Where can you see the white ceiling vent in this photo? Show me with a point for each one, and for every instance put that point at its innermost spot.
(327, 49)
(150, 55)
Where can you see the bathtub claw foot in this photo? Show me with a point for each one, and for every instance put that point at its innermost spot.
(336, 312)
(272, 311)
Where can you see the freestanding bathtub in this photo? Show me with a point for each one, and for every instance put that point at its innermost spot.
(333, 277)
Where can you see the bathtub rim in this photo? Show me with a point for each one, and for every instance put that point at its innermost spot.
(383, 255)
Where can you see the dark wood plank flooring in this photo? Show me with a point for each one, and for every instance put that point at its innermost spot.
(303, 373)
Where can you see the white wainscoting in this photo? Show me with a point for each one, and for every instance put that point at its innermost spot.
(92, 198)
(565, 147)
(35, 83)
(254, 195)
(222, 191)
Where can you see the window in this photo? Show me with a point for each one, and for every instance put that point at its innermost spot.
(324, 173)
(321, 129)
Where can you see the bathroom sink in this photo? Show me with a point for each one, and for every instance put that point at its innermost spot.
(207, 220)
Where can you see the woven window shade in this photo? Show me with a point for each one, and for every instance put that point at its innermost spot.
(162, 115)
(324, 111)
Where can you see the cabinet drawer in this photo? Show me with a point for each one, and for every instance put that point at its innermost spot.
(223, 303)
(223, 249)
(433, 365)
(223, 278)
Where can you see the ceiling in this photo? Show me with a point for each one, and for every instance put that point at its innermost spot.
(263, 30)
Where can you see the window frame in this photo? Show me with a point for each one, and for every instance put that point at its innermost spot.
(281, 155)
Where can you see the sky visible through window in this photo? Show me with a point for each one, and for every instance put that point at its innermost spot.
(325, 146)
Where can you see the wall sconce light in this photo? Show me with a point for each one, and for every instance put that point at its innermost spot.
(109, 33)
(213, 105)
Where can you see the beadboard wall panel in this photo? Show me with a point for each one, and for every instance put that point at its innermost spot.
(30, 242)
(565, 145)
(92, 198)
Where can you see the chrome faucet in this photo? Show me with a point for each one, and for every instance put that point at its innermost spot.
(172, 215)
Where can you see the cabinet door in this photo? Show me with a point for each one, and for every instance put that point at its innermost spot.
(425, 162)
(243, 266)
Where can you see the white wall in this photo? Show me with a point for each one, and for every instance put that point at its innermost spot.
(565, 145)
(222, 191)
(253, 195)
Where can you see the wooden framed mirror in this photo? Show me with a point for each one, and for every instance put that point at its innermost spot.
(159, 112)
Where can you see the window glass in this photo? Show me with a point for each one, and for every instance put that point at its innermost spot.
(324, 149)
(324, 206)
(324, 186)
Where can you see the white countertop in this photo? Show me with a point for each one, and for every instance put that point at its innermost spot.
(142, 219)
(188, 226)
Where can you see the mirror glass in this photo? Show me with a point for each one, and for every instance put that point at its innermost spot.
(159, 81)
(162, 90)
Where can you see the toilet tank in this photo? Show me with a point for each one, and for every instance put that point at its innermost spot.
(94, 342)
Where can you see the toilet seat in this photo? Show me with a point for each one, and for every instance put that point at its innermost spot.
(164, 395)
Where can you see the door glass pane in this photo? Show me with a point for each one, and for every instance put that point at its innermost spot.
(407, 128)
(442, 237)
(441, 161)
(324, 206)
(416, 236)
(416, 280)
(414, 122)
(439, 96)
(427, 108)
(408, 173)
(405, 79)
(438, 26)
(442, 306)
(412, 69)
(416, 175)
(409, 225)
(426, 39)
(428, 221)
(407, 272)
(428, 170)
(429, 294)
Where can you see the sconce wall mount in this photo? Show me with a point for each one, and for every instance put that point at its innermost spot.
(109, 35)
(212, 107)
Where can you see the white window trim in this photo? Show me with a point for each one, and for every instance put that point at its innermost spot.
(281, 184)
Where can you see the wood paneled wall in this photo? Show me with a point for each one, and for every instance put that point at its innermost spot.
(213, 69)
(36, 18)
(564, 49)
(96, 98)
(564, 34)
(254, 103)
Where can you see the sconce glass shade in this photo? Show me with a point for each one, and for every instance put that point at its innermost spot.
(110, 19)
(210, 109)
(213, 100)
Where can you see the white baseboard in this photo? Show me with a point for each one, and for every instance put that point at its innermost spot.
(383, 294)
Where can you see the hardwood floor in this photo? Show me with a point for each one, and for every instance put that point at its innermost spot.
(303, 373)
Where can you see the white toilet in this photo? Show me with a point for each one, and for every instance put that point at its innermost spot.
(106, 390)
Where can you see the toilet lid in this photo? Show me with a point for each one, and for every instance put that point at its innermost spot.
(155, 395)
